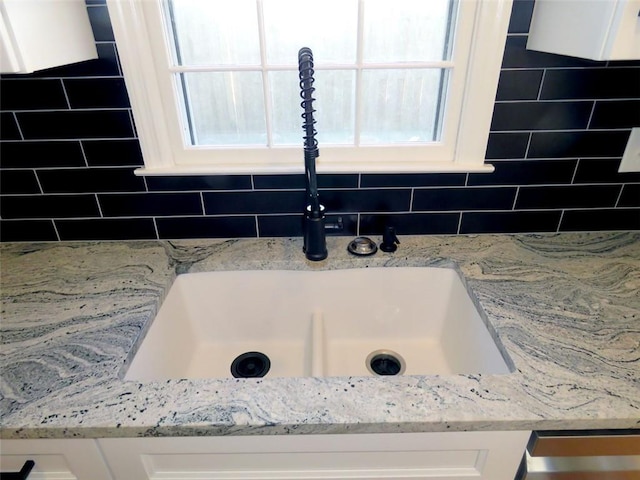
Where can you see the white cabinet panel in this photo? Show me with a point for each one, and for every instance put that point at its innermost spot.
(433, 456)
(59, 459)
(594, 29)
(38, 34)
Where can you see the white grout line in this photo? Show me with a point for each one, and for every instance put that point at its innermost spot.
(544, 74)
(201, 192)
(515, 198)
(84, 155)
(204, 211)
(35, 173)
(560, 221)
(526, 150)
(593, 109)
(66, 95)
(575, 172)
(155, 227)
(99, 206)
(55, 229)
(619, 197)
(15, 119)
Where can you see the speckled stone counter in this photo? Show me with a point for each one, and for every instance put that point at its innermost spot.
(565, 307)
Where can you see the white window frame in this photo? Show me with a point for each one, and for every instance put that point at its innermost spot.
(482, 31)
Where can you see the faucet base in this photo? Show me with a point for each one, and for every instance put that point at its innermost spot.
(315, 244)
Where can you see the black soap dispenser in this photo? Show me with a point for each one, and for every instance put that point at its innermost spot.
(390, 241)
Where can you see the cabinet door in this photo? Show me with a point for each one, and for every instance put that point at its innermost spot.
(38, 34)
(598, 30)
(432, 456)
(72, 459)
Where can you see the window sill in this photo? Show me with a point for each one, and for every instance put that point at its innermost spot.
(248, 168)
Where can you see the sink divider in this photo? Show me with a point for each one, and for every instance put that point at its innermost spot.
(318, 352)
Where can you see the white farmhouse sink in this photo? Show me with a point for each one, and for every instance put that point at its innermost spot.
(317, 323)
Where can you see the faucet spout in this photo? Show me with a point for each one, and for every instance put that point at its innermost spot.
(315, 244)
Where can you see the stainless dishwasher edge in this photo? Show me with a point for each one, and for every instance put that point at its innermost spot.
(582, 455)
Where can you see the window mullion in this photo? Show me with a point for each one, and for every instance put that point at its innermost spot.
(266, 88)
(326, 66)
(358, 92)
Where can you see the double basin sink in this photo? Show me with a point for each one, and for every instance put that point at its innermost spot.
(286, 323)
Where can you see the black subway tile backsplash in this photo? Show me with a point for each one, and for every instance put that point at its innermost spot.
(519, 84)
(106, 229)
(541, 116)
(207, 227)
(32, 94)
(41, 154)
(290, 182)
(630, 196)
(510, 222)
(68, 150)
(292, 225)
(411, 224)
(9, 127)
(200, 182)
(507, 145)
(90, 180)
(48, 206)
(616, 114)
(526, 172)
(598, 143)
(480, 198)
(351, 201)
(574, 196)
(280, 225)
(412, 179)
(150, 204)
(603, 170)
(228, 203)
(521, 16)
(100, 23)
(19, 181)
(96, 93)
(594, 83)
(112, 153)
(27, 231)
(600, 219)
(75, 124)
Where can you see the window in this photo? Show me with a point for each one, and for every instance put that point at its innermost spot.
(407, 88)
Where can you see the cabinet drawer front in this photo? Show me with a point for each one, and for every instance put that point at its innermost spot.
(433, 456)
(59, 459)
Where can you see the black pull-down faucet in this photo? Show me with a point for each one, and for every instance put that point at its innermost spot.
(315, 242)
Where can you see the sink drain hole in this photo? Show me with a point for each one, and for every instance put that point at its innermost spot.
(250, 365)
(385, 362)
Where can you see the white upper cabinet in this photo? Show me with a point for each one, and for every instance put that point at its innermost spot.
(593, 29)
(38, 34)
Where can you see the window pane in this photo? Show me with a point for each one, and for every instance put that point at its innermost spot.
(401, 105)
(225, 108)
(335, 107)
(329, 28)
(215, 32)
(412, 30)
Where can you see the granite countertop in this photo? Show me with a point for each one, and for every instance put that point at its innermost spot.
(565, 307)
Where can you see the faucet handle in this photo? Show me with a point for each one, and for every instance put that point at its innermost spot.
(390, 241)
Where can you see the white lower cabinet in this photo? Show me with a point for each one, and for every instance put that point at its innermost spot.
(433, 456)
(55, 459)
